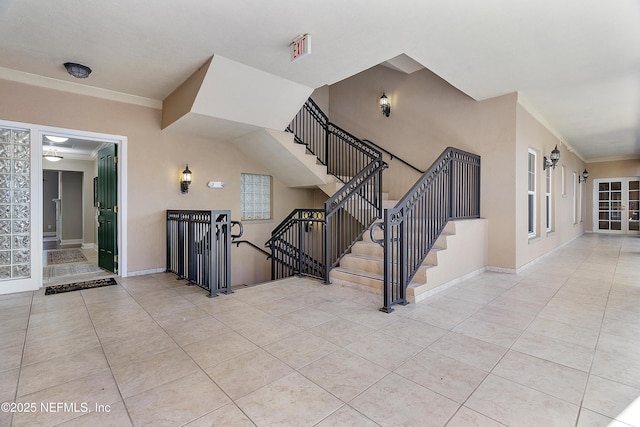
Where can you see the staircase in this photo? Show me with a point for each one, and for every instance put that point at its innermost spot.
(363, 268)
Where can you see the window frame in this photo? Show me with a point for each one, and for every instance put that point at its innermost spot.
(253, 208)
(532, 157)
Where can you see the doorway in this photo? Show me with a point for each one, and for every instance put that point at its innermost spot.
(617, 209)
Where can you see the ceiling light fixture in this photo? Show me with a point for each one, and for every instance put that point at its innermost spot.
(53, 156)
(56, 138)
(77, 70)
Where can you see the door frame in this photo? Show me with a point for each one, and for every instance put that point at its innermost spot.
(625, 195)
(121, 142)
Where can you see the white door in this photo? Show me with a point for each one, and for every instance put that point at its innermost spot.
(617, 205)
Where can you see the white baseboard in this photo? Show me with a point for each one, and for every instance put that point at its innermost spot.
(145, 272)
(90, 246)
(501, 270)
(50, 239)
(445, 286)
(49, 234)
(71, 242)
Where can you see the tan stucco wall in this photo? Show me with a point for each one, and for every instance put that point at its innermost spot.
(155, 159)
(611, 169)
(532, 134)
(427, 116)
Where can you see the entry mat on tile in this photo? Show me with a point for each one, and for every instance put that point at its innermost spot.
(58, 289)
(64, 256)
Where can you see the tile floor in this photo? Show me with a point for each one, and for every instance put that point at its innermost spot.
(555, 345)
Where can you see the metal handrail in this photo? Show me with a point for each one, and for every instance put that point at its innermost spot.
(449, 189)
(253, 245)
(355, 206)
(393, 156)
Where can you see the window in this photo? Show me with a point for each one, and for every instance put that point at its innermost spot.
(255, 196)
(531, 192)
(547, 195)
(575, 198)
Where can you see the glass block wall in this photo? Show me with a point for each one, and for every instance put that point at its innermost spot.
(255, 196)
(15, 204)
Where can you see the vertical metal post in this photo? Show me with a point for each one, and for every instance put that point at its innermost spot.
(388, 282)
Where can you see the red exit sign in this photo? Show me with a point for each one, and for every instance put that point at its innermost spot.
(300, 47)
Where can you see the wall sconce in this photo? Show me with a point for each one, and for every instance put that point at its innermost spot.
(185, 180)
(552, 161)
(384, 105)
(584, 177)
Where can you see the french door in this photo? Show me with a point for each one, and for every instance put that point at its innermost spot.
(617, 207)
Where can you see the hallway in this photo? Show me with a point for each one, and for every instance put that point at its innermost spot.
(554, 345)
(70, 264)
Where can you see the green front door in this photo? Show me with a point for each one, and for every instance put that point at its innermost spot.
(107, 209)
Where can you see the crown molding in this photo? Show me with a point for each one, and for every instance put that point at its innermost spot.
(76, 88)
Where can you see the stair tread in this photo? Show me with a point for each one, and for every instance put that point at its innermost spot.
(360, 273)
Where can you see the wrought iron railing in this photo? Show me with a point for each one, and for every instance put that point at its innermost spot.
(199, 248)
(347, 214)
(296, 245)
(450, 189)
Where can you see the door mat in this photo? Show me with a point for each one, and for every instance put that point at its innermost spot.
(64, 256)
(58, 289)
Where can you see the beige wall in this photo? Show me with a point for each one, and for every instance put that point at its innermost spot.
(87, 211)
(532, 134)
(612, 169)
(155, 159)
(427, 116)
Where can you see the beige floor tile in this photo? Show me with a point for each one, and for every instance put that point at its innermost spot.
(238, 316)
(159, 407)
(96, 389)
(446, 376)
(59, 370)
(516, 306)
(100, 295)
(490, 332)
(14, 322)
(343, 374)
(180, 317)
(63, 318)
(338, 307)
(8, 303)
(627, 347)
(341, 332)
(228, 415)
(586, 318)
(159, 369)
(291, 401)
(555, 350)
(617, 367)
(218, 348)
(439, 317)
(384, 350)
(49, 348)
(471, 351)
(8, 385)
(123, 328)
(307, 318)
(248, 372)
(267, 331)
(11, 358)
(114, 415)
(374, 319)
(396, 401)
(466, 417)
(556, 380)
(621, 327)
(513, 404)
(219, 304)
(531, 292)
(507, 317)
(301, 349)
(615, 400)
(589, 418)
(137, 348)
(413, 332)
(586, 337)
(346, 416)
(12, 338)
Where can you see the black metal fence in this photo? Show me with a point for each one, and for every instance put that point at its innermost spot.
(450, 189)
(347, 214)
(199, 248)
(296, 245)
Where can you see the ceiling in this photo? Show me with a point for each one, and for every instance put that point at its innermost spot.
(576, 62)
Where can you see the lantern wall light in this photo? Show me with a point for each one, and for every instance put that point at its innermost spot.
(552, 161)
(384, 105)
(584, 177)
(185, 180)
